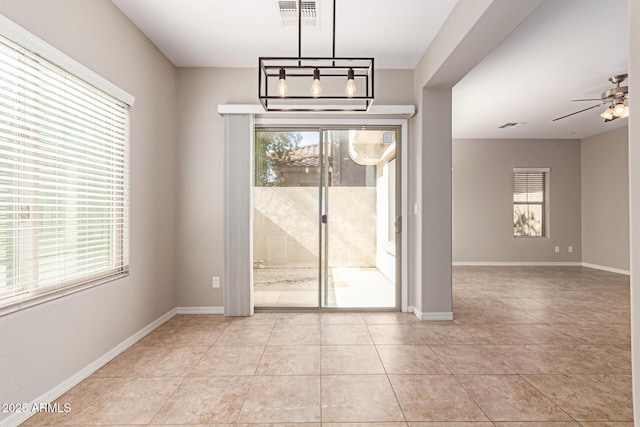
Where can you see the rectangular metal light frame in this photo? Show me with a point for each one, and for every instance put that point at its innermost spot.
(302, 68)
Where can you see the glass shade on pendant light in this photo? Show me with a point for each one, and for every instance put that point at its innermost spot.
(281, 90)
(316, 88)
(350, 90)
(620, 110)
(607, 114)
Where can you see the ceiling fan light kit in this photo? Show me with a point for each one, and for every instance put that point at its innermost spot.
(337, 83)
(607, 114)
(616, 98)
(620, 110)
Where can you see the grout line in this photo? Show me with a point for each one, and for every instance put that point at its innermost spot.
(548, 397)
(253, 377)
(166, 400)
(320, 351)
(455, 376)
(390, 383)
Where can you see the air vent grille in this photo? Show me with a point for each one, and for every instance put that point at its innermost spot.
(510, 125)
(288, 10)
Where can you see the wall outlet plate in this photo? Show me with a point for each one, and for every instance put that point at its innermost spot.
(215, 282)
(557, 249)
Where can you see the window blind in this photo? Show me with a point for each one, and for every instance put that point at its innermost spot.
(63, 181)
(528, 187)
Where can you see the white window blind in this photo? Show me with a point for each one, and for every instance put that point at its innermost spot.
(63, 181)
(529, 202)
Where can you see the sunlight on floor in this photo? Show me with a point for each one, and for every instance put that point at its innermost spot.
(347, 288)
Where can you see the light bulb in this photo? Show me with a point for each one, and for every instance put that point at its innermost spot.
(316, 88)
(350, 90)
(607, 114)
(620, 110)
(281, 90)
(626, 113)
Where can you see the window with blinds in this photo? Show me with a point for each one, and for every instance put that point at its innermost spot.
(63, 180)
(530, 202)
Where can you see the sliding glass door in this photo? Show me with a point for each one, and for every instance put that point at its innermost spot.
(286, 233)
(324, 233)
(359, 251)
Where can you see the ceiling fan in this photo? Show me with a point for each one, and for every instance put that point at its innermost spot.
(616, 98)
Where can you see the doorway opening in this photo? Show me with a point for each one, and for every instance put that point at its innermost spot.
(325, 229)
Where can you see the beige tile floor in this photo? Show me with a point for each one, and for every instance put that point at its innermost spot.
(529, 347)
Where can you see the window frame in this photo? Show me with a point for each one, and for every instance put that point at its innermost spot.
(544, 203)
(12, 299)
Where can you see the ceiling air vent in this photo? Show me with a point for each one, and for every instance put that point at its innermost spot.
(288, 10)
(510, 125)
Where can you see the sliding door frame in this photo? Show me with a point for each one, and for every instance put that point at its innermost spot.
(401, 149)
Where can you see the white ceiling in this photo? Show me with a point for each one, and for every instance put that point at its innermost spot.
(564, 50)
(234, 33)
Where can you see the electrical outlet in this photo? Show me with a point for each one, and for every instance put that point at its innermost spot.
(557, 249)
(216, 282)
(570, 249)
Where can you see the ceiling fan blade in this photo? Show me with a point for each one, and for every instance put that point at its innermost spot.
(568, 115)
(586, 99)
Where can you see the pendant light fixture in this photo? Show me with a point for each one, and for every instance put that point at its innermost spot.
(347, 82)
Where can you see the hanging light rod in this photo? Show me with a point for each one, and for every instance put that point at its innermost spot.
(327, 83)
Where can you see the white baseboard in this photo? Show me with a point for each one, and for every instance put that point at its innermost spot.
(48, 397)
(200, 310)
(605, 268)
(448, 315)
(516, 264)
(440, 315)
(542, 264)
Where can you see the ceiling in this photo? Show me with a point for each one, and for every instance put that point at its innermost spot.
(234, 33)
(566, 49)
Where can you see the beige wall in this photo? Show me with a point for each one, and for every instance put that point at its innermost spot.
(482, 200)
(286, 227)
(47, 344)
(605, 199)
(200, 164)
(200, 232)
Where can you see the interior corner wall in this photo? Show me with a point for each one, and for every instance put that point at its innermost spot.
(634, 198)
(605, 199)
(200, 195)
(47, 344)
(483, 199)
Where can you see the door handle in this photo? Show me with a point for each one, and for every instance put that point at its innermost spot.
(398, 224)
(324, 219)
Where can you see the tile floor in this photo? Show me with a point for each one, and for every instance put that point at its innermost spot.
(529, 347)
